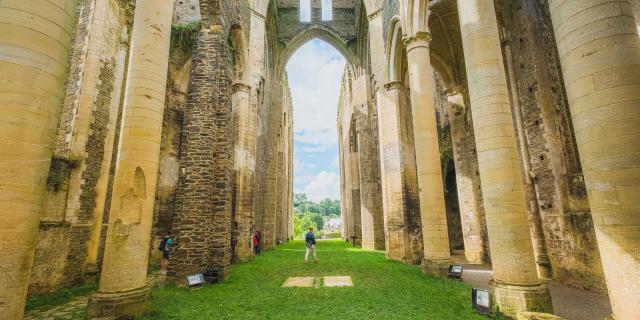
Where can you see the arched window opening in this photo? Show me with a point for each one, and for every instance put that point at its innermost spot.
(305, 10)
(327, 10)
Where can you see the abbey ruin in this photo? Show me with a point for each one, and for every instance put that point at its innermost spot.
(507, 131)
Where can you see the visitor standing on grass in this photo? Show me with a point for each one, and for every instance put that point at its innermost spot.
(165, 247)
(257, 237)
(311, 245)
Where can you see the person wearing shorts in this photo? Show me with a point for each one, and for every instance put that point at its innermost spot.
(311, 245)
(165, 247)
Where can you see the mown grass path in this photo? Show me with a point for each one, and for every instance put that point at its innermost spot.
(382, 290)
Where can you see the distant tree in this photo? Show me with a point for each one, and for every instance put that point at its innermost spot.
(312, 214)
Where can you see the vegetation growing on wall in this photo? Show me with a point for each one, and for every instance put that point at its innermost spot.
(184, 35)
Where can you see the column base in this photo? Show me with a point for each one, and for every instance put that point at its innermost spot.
(126, 305)
(513, 298)
(373, 246)
(435, 268)
(91, 273)
(474, 257)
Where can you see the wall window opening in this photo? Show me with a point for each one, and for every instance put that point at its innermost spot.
(305, 10)
(327, 10)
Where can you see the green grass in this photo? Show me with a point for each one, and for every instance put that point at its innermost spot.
(49, 300)
(382, 290)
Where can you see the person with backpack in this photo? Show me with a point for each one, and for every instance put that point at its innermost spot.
(165, 247)
(310, 238)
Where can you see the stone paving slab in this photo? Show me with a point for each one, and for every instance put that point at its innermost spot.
(305, 282)
(339, 281)
(317, 282)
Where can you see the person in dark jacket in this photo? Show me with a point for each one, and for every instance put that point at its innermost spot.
(311, 245)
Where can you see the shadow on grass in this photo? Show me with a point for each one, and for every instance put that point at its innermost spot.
(60, 297)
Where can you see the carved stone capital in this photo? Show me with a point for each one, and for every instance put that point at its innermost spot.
(420, 39)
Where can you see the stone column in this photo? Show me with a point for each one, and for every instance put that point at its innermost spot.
(244, 171)
(370, 188)
(515, 285)
(354, 170)
(372, 224)
(399, 184)
(123, 291)
(600, 56)
(403, 241)
(33, 58)
(472, 217)
(102, 185)
(437, 255)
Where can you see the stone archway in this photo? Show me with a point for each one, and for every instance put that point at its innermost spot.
(323, 33)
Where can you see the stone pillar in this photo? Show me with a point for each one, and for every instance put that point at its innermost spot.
(244, 171)
(370, 188)
(123, 291)
(403, 241)
(437, 255)
(102, 185)
(472, 216)
(600, 56)
(35, 44)
(354, 170)
(372, 220)
(537, 233)
(399, 183)
(515, 285)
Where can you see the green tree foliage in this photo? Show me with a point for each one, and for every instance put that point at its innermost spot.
(312, 214)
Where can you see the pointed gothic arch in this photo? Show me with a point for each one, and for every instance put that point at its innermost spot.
(323, 33)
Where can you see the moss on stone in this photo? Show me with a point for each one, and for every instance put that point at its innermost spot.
(184, 35)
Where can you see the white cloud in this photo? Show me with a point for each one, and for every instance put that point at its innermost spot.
(325, 185)
(315, 71)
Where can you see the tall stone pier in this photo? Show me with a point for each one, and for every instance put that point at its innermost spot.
(435, 235)
(515, 285)
(33, 58)
(599, 51)
(123, 291)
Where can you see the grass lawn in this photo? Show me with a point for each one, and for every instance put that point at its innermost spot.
(382, 290)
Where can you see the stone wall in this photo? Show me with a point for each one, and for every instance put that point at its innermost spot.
(289, 25)
(202, 220)
(168, 172)
(558, 188)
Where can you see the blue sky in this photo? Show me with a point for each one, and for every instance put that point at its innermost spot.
(315, 72)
